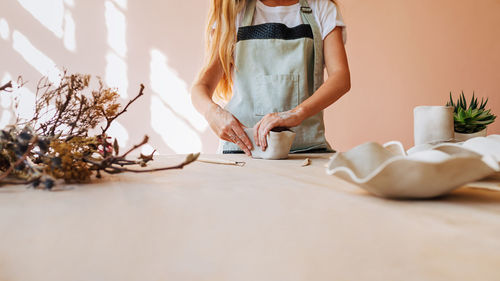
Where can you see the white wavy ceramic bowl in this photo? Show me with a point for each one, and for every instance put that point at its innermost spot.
(387, 171)
(489, 145)
(486, 146)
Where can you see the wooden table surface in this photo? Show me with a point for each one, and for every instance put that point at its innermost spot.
(268, 220)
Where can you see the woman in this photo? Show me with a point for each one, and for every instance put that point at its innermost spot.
(268, 57)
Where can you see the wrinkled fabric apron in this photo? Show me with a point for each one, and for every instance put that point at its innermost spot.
(276, 69)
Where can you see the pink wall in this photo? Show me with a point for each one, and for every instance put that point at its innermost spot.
(408, 53)
(401, 54)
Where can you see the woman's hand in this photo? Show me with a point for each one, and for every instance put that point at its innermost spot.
(270, 121)
(228, 128)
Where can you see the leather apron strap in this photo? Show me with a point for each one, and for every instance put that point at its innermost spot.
(308, 17)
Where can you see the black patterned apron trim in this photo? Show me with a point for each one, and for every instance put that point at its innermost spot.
(274, 31)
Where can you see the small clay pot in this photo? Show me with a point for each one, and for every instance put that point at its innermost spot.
(278, 144)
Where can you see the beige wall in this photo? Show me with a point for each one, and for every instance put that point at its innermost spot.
(401, 53)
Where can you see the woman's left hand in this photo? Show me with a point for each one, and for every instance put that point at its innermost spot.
(270, 121)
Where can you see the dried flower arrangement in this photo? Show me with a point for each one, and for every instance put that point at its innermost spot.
(56, 143)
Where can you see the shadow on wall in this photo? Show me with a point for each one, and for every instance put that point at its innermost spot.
(124, 42)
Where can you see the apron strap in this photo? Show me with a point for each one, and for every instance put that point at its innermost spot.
(308, 17)
(249, 12)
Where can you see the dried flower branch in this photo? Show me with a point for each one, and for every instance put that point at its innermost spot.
(109, 120)
(9, 86)
(6, 87)
(55, 144)
(113, 168)
(71, 108)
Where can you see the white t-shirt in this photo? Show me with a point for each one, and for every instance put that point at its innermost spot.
(325, 12)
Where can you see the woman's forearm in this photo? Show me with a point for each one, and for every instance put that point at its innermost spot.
(334, 88)
(201, 98)
(204, 87)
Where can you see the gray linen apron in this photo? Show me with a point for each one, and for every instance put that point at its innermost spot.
(276, 69)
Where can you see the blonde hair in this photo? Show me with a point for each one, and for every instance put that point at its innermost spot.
(221, 40)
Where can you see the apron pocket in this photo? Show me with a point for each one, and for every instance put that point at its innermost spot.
(276, 93)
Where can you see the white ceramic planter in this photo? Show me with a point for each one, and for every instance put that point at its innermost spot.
(278, 145)
(463, 137)
(433, 124)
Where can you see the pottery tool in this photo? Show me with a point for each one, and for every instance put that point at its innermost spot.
(222, 162)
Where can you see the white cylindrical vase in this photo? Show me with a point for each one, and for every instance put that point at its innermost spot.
(433, 124)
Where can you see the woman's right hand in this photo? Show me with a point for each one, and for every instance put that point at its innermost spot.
(228, 128)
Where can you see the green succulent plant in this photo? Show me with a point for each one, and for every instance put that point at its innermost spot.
(471, 119)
